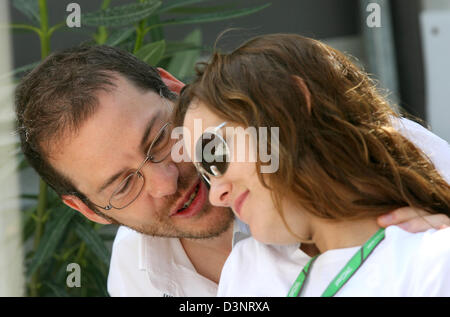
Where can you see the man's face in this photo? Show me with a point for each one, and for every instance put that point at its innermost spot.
(114, 141)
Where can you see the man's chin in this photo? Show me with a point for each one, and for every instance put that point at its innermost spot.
(212, 223)
(211, 228)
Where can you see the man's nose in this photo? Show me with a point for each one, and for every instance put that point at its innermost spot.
(220, 192)
(161, 179)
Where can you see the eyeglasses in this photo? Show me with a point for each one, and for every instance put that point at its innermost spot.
(130, 188)
(212, 154)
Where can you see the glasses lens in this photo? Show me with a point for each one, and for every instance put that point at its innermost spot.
(128, 190)
(212, 153)
(161, 145)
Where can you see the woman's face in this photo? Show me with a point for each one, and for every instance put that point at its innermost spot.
(239, 187)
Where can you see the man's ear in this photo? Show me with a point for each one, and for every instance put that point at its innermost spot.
(76, 203)
(174, 84)
(302, 85)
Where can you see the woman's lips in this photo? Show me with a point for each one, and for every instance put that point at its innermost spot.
(240, 201)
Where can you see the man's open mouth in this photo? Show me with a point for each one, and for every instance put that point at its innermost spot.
(193, 201)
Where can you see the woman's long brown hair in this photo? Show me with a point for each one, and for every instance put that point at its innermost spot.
(340, 156)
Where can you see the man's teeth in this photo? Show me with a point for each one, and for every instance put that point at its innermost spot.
(191, 198)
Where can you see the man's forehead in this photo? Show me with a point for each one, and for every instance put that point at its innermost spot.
(124, 88)
(126, 100)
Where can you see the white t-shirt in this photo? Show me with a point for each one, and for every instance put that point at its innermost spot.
(403, 264)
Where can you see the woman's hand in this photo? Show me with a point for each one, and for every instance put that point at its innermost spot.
(414, 220)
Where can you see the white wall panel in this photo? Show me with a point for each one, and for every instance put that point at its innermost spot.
(436, 47)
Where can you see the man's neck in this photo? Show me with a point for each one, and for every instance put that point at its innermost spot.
(330, 235)
(209, 255)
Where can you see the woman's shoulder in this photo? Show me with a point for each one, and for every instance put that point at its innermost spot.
(247, 251)
(436, 148)
(238, 267)
(424, 257)
(259, 265)
(430, 244)
(424, 239)
(254, 249)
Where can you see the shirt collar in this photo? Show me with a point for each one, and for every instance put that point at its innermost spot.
(164, 259)
(168, 259)
(241, 231)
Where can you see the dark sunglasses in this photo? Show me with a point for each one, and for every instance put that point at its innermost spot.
(212, 154)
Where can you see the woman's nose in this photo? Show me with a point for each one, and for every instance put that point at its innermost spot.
(220, 192)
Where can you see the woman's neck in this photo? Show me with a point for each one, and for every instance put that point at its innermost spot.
(329, 235)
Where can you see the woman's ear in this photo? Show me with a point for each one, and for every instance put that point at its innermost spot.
(302, 85)
(76, 203)
(174, 84)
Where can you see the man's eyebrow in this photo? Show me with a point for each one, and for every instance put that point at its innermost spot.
(148, 128)
(111, 180)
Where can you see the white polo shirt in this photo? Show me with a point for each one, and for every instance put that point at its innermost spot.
(142, 265)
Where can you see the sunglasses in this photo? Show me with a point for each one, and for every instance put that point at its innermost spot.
(212, 154)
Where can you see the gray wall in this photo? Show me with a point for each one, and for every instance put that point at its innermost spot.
(319, 19)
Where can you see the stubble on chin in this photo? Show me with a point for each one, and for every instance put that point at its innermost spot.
(220, 220)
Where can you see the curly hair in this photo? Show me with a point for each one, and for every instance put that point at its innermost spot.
(340, 156)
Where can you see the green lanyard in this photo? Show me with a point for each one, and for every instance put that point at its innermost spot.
(345, 274)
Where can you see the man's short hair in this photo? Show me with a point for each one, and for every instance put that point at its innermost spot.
(59, 95)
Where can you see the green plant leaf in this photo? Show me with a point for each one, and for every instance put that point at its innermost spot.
(28, 196)
(16, 30)
(92, 239)
(28, 7)
(69, 250)
(121, 15)
(128, 44)
(213, 17)
(99, 275)
(182, 64)
(171, 4)
(57, 290)
(173, 48)
(157, 34)
(28, 222)
(152, 53)
(200, 10)
(119, 36)
(106, 236)
(61, 273)
(53, 198)
(54, 230)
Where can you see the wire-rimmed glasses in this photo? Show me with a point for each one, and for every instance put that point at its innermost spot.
(130, 188)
